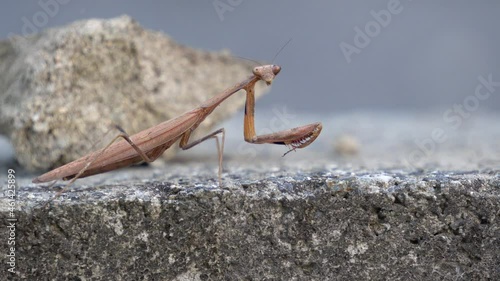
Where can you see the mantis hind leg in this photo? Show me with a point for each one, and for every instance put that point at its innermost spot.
(122, 135)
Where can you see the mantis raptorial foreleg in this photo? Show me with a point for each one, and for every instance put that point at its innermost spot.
(293, 138)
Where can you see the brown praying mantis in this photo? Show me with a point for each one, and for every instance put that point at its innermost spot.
(149, 144)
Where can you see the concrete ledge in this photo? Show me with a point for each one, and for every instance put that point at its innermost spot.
(323, 224)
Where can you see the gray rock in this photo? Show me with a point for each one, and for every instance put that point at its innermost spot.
(314, 223)
(62, 89)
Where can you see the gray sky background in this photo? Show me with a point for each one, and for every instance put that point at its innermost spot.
(428, 55)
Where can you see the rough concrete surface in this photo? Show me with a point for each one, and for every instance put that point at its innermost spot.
(62, 89)
(312, 224)
(312, 215)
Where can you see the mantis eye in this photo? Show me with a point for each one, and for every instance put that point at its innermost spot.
(276, 69)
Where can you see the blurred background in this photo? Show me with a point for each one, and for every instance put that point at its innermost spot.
(428, 54)
(345, 56)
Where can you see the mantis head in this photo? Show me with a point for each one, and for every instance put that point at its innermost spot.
(267, 72)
